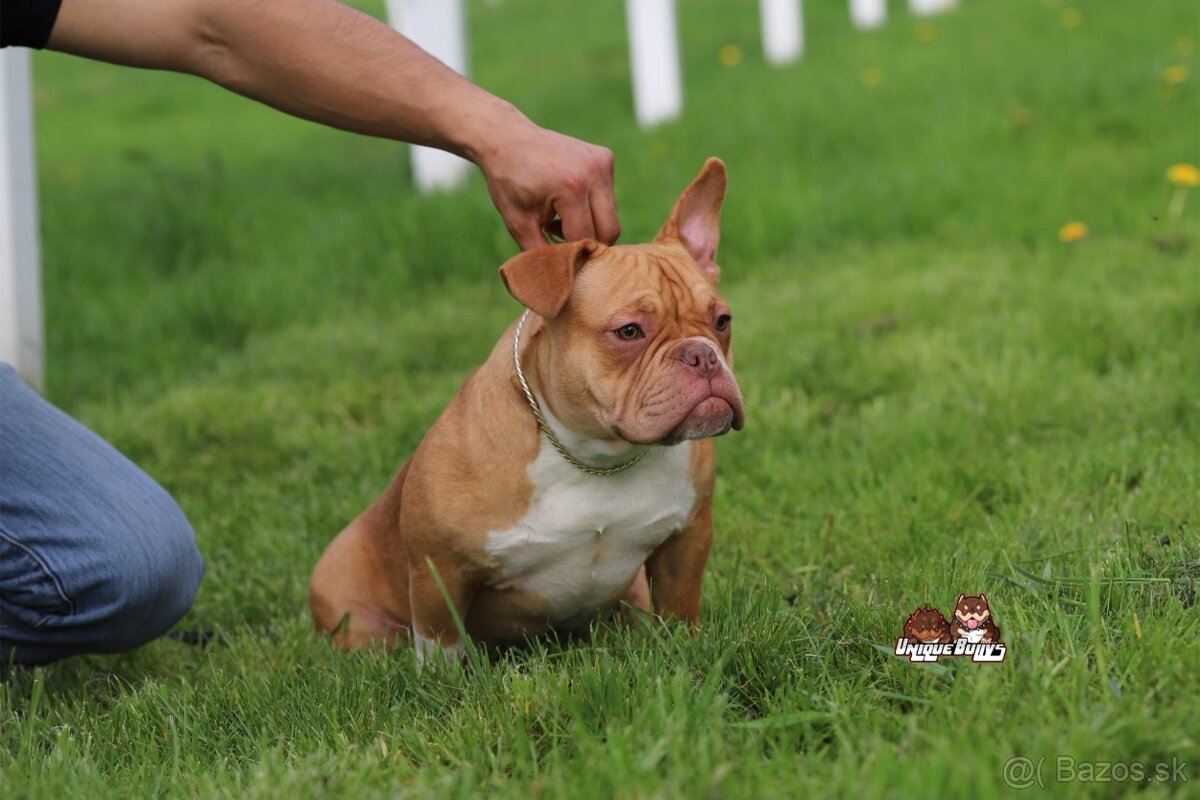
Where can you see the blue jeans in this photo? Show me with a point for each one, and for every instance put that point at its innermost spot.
(95, 557)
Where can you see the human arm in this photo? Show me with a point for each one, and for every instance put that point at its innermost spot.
(326, 62)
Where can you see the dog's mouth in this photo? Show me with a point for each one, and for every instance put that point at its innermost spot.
(712, 416)
(694, 410)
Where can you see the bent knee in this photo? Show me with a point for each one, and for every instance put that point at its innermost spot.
(148, 583)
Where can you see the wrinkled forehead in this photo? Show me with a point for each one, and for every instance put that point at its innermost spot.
(655, 280)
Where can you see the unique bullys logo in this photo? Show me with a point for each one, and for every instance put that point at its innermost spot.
(970, 631)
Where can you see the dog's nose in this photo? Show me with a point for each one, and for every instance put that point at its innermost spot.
(701, 356)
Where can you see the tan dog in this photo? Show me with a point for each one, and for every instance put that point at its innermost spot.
(626, 359)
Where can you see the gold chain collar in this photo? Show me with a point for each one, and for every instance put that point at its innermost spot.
(541, 419)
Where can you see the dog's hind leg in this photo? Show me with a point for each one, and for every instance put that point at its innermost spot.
(358, 592)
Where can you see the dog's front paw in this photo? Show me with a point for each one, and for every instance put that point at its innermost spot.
(429, 650)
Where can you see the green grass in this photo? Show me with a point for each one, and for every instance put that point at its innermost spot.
(941, 398)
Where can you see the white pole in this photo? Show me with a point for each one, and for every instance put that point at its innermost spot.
(654, 60)
(20, 257)
(924, 8)
(440, 28)
(867, 14)
(782, 30)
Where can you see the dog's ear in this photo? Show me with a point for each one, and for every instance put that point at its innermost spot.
(542, 279)
(983, 597)
(695, 220)
(959, 600)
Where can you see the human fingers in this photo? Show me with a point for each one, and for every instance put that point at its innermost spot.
(604, 214)
(576, 218)
(526, 231)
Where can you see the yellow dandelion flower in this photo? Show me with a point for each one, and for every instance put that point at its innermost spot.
(1070, 18)
(925, 32)
(1072, 232)
(1184, 175)
(1175, 74)
(1021, 115)
(871, 77)
(730, 55)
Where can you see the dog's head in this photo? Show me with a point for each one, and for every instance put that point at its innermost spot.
(926, 625)
(971, 611)
(639, 339)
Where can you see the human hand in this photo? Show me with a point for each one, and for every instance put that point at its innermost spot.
(534, 174)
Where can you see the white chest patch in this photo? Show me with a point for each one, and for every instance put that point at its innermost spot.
(584, 536)
(975, 636)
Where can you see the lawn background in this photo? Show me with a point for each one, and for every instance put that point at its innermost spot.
(942, 397)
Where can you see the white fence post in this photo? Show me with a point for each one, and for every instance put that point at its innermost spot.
(926, 7)
(440, 28)
(654, 60)
(867, 14)
(782, 30)
(20, 257)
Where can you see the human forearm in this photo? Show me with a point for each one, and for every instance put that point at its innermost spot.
(315, 59)
(323, 61)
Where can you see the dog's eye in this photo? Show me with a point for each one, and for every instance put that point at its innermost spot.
(723, 322)
(629, 332)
